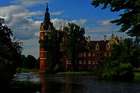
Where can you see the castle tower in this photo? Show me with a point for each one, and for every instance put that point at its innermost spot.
(44, 28)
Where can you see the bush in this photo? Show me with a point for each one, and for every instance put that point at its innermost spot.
(122, 72)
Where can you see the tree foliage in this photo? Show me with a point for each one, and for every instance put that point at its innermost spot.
(28, 62)
(54, 39)
(129, 19)
(119, 66)
(9, 54)
(75, 42)
(67, 42)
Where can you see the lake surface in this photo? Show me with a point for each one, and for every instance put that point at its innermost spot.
(86, 84)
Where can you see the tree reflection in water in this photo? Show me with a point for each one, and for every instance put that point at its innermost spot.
(43, 82)
(72, 86)
(84, 84)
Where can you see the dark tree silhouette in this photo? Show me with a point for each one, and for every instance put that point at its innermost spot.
(28, 62)
(129, 19)
(76, 42)
(9, 54)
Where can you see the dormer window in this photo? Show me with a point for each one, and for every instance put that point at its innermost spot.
(97, 47)
(108, 46)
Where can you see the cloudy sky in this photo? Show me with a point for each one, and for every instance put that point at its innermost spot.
(24, 18)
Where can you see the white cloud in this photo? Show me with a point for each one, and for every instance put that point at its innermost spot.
(80, 22)
(37, 34)
(8, 11)
(31, 47)
(17, 17)
(105, 22)
(58, 23)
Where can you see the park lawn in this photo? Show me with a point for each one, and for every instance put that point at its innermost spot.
(25, 70)
(79, 73)
(137, 76)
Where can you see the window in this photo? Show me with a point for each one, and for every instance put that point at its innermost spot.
(89, 62)
(108, 46)
(105, 54)
(80, 62)
(93, 54)
(68, 62)
(89, 54)
(85, 54)
(93, 62)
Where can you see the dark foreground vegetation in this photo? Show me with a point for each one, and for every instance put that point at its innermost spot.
(9, 54)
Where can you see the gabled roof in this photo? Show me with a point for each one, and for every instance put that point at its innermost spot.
(102, 44)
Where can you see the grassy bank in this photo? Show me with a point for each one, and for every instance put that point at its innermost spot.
(76, 73)
(26, 70)
(137, 76)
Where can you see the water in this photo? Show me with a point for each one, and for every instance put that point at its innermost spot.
(85, 84)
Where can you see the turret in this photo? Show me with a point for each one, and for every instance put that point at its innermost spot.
(45, 27)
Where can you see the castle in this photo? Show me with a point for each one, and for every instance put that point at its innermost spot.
(98, 50)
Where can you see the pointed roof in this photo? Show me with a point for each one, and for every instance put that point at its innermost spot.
(47, 14)
(100, 44)
(47, 23)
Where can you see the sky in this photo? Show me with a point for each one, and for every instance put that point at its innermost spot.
(24, 18)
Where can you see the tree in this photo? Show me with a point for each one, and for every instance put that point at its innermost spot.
(54, 38)
(130, 18)
(10, 52)
(75, 42)
(23, 63)
(119, 66)
(29, 62)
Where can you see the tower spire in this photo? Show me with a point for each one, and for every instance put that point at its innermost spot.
(47, 6)
(47, 15)
(47, 23)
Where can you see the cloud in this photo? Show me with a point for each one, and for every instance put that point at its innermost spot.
(105, 22)
(58, 23)
(101, 28)
(80, 22)
(8, 11)
(29, 2)
(18, 18)
(31, 47)
(57, 13)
